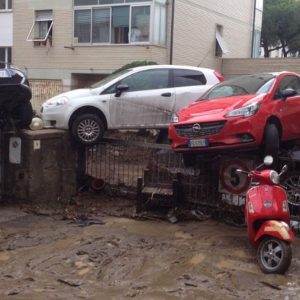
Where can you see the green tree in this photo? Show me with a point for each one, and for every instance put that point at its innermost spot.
(134, 64)
(281, 26)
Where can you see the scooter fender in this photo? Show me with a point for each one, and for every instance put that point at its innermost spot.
(277, 229)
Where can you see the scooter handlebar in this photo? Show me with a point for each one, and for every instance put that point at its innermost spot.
(242, 171)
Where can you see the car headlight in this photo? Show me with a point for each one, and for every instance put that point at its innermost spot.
(274, 177)
(246, 111)
(57, 101)
(174, 118)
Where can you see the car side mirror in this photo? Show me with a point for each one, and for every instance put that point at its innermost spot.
(289, 92)
(120, 89)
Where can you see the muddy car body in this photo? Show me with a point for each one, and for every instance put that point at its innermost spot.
(142, 97)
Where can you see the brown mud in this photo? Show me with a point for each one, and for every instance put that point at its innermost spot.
(95, 250)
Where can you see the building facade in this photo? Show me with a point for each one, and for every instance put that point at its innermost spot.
(6, 31)
(80, 41)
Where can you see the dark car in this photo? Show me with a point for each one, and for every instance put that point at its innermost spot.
(15, 96)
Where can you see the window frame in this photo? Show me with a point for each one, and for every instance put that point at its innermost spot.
(35, 22)
(131, 5)
(220, 46)
(6, 8)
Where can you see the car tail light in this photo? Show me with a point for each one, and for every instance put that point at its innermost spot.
(219, 76)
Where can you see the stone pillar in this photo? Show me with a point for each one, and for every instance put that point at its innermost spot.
(46, 174)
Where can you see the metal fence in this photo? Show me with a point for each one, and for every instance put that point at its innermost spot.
(43, 90)
(121, 163)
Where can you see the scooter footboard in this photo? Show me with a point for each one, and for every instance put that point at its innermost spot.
(277, 229)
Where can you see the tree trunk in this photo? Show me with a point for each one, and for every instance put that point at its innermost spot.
(266, 49)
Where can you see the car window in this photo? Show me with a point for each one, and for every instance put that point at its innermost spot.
(287, 82)
(109, 78)
(183, 77)
(242, 85)
(144, 80)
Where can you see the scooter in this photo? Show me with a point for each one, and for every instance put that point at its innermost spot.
(268, 218)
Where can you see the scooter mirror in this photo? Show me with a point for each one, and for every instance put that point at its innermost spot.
(268, 160)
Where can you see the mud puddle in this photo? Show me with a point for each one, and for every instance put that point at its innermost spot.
(45, 257)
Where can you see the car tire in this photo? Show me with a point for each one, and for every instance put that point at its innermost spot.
(88, 129)
(271, 141)
(23, 114)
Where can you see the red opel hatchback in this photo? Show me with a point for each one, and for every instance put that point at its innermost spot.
(241, 113)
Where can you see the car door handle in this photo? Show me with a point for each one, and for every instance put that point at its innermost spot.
(166, 94)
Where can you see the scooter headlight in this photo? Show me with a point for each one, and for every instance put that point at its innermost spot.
(274, 177)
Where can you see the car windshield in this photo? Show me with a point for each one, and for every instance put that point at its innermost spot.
(243, 85)
(109, 78)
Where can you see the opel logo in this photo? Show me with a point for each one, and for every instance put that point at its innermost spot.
(196, 128)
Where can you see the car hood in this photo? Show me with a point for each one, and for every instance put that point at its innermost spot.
(79, 93)
(220, 107)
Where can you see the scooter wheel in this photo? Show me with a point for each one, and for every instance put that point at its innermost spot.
(274, 255)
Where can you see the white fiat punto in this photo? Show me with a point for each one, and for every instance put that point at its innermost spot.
(141, 97)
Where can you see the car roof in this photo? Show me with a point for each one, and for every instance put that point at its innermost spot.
(171, 67)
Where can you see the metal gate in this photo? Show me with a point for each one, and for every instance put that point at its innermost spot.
(121, 163)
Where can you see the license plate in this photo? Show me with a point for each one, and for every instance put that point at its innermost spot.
(198, 143)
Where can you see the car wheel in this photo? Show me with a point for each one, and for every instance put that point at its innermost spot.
(88, 129)
(23, 115)
(271, 141)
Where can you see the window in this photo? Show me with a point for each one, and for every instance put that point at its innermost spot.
(160, 16)
(188, 78)
(120, 25)
(140, 24)
(100, 25)
(5, 56)
(144, 80)
(5, 4)
(221, 47)
(41, 29)
(118, 21)
(292, 82)
(260, 4)
(82, 28)
(100, 2)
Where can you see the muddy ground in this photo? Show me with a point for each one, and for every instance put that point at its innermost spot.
(63, 255)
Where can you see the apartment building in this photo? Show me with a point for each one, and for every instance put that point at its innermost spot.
(82, 40)
(6, 31)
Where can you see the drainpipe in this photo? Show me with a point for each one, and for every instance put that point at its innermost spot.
(253, 29)
(172, 32)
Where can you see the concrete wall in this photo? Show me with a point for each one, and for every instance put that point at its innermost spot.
(234, 67)
(195, 30)
(47, 173)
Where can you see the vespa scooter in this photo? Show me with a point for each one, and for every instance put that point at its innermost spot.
(267, 217)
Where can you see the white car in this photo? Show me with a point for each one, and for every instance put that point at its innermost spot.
(141, 97)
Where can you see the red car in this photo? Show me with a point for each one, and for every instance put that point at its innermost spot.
(241, 113)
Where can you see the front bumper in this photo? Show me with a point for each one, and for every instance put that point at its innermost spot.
(236, 133)
(54, 117)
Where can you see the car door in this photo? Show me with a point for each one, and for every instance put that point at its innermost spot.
(290, 107)
(189, 86)
(148, 101)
